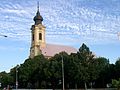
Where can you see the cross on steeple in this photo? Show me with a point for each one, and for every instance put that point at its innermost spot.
(38, 5)
(38, 18)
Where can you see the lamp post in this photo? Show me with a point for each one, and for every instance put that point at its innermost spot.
(3, 35)
(0, 81)
(17, 77)
(63, 72)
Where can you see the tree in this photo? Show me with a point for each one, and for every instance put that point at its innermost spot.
(37, 78)
(103, 71)
(5, 79)
(80, 69)
(28, 71)
(116, 83)
(117, 69)
(53, 71)
(86, 63)
(73, 70)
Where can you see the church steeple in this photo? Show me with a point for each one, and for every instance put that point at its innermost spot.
(38, 18)
(37, 35)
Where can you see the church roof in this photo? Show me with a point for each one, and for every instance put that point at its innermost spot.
(52, 49)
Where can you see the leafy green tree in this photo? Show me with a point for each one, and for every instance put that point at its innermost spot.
(5, 79)
(12, 73)
(37, 77)
(86, 63)
(116, 83)
(73, 70)
(53, 71)
(80, 69)
(83, 55)
(68, 69)
(117, 69)
(27, 72)
(103, 71)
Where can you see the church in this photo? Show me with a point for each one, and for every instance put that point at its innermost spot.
(38, 41)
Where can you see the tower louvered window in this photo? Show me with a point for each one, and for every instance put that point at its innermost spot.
(40, 36)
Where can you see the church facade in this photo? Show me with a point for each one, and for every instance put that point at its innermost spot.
(38, 42)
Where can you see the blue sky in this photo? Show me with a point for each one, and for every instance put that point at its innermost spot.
(93, 22)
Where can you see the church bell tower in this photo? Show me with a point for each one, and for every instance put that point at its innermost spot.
(37, 35)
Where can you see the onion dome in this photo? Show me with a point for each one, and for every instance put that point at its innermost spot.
(38, 18)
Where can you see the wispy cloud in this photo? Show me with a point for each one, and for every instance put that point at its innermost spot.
(76, 20)
(88, 22)
(69, 22)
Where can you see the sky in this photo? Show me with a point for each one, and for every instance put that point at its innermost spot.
(93, 22)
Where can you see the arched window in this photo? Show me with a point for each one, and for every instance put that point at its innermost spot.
(40, 36)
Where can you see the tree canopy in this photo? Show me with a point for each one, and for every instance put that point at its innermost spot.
(81, 70)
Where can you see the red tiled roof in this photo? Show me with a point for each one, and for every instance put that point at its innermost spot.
(52, 49)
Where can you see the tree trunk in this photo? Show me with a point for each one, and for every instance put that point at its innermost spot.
(68, 86)
(53, 85)
(91, 84)
(85, 86)
(75, 85)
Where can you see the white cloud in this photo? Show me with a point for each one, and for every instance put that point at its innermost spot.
(61, 17)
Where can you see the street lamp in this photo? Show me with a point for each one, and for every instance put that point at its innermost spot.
(0, 81)
(3, 35)
(17, 77)
(63, 72)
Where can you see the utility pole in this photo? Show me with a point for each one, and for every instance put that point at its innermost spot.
(0, 81)
(63, 72)
(17, 77)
